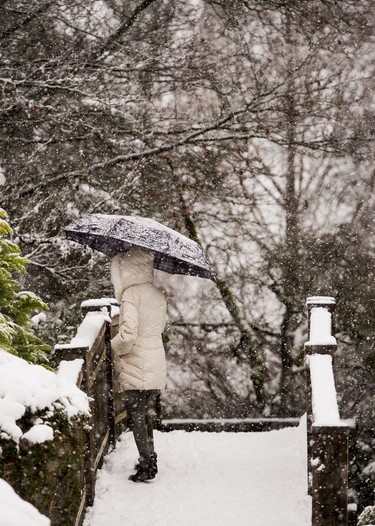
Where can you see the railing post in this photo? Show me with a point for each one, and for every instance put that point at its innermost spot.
(327, 444)
(98, 306)
(111, 398)
(90, 447)
(329, 475)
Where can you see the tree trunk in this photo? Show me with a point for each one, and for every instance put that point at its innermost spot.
(290, 277)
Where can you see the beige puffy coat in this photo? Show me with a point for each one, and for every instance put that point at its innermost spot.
(138, 348)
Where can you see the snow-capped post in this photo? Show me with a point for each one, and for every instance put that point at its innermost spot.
(327, 434)
(321, 325)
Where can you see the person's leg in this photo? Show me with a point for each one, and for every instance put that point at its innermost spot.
(136, 406)
(150, 417)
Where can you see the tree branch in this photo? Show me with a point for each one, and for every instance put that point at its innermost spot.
(26, 20)
(112, 40)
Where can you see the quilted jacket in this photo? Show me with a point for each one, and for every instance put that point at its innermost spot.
(138, 348)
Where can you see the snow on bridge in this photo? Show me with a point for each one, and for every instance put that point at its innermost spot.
(206, 479)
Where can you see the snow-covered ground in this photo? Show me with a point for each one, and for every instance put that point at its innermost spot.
(17, 512)
(206, 479)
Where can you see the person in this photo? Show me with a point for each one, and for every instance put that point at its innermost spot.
(139, 357)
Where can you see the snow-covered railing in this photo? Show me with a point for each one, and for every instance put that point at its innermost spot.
(91, 350)
(327, 434)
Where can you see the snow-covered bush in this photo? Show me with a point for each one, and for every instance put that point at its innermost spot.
(28, 389)
(43, 417)
(42, 413)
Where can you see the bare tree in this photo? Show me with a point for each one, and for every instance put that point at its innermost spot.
(240, 122)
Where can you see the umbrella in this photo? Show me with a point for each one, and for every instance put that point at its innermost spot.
(111, 234)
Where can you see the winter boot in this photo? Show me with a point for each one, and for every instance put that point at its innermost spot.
(145, 470)
(153, 462)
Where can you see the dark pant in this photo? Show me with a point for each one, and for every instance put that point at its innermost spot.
(141, 406)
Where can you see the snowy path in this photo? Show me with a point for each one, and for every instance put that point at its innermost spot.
(221, 479)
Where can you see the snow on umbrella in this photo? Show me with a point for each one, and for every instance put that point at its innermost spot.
(112, 234)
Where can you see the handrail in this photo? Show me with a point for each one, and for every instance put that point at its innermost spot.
(327, 435)
(92, 345)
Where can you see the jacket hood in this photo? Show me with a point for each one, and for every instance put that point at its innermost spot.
(133, 267)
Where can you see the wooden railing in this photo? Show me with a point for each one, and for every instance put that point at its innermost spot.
(227, 425)
(327, 434)
(108, 416)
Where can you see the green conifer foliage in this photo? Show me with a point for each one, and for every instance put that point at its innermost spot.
(16, 306)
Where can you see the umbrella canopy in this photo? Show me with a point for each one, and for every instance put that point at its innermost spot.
(112, 234)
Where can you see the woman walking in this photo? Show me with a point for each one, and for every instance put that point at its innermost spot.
(139, 356)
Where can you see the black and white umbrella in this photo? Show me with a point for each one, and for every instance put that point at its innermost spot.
(112, 234)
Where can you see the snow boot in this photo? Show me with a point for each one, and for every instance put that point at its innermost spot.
(153, 461)
(145, 470)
